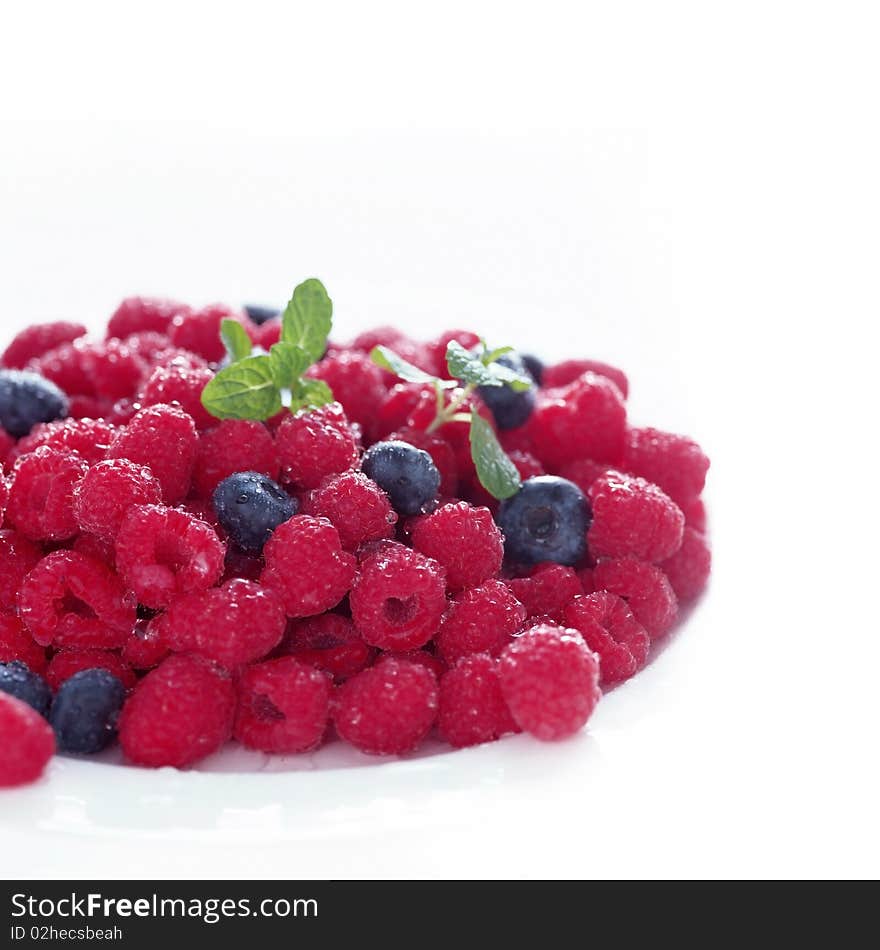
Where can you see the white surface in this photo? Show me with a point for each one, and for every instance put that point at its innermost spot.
(724, 253)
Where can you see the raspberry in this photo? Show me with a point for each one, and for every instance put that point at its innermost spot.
(37, 339)
(675, 463)
(267, 335)
(72, 601)
(182, 385)
(199, 330)
(356, 506)
(526, 464)
(101, 549)
(356, 382)
(67, 663)
(164, 439)
(440, 451)
(644, 587)
(464, 540)
(69, 366)
(141, 314)
(235, 445)
(118, 370)
(330, 643)
(26, 743)
(480, 620)
(695, 515)
(145, 647)
(163, 552)
(550, 681)
(151, 346)
(89, 407)
(42, 492)
(586, 418)
(688, 569)
(17, 644)
(283, 706)
(429, 661)
(90, 437)
(306, 566)
(313, 445)
(457, 434)
(547, 590)
(610, 631)
(583, 472)
(387, 709)
(632, 517)
(472, 709)
(179, 713)
(398, 598)
(172, 357)
(234, 624)
(4, 495)
(7, 444)
(396, 406)
(108, 490)
(561, 374)
(437, 348)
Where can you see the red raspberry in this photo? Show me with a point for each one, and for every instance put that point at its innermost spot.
(235, 624)
(90, 437)
(398, 598)
(644, 587)
(7, 444)
(235, 445)
(150, 346)
(464, 540)
(313, 445)
(306, 566)
(41, 496)
(89, 407)
(675, 463)
(526, 464)
(163, 552)
(585, 576)
(140, 314)
(164, 439)
(18, 556)
(550, 681)
(38, 339)
(70, 366)
(182, 385)
(328, 642)
(632, 518)
(440, 451)
(172, 357)
(179, 713)
(283, 706)
(583, 472)
(517, 440)
(472, 709)
(429, 661)
(145, 646)
(612, 632)
(4, 495)
(481, 620)
(101, 549)
(561, 374)
(108, 490)
(118, 370)
(547, 590)
(71, 601)
(17, 644)
(457, 434)
(356, 382)
(437, 348)
(380, 336)
(27, 742)
(396, 406)
(688, 569)
(67, 662)
(695, 515)
(356, 506)
(387, 709)
(199, 330)
(266, 335)
(587, 418)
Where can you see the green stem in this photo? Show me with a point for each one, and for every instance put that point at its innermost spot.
(446, 413)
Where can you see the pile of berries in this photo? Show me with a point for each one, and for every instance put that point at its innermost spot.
(173, 580)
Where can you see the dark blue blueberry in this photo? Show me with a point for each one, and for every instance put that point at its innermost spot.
(535, 366)
(260, 315)
(85, 711)
(17, 680)
(27, 399)
(509, 407)
(250, 507)
(546, 520)
(406, 474)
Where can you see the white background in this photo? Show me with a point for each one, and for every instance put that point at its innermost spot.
(690, 190)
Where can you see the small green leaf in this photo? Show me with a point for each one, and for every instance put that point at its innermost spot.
(307, 318)
(491, 355)
(497, 474)
(311, 393)
(470, 368)
(289, 362)
(389, 360)
(235, 339)
(245, 390)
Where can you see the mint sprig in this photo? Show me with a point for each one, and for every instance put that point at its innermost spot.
(258, 387)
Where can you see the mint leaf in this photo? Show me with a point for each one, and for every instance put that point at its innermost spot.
(497, 474)
(235, 339)
(491, 355)
(244, 390)
(313, 393)
(307, 319)
(471, 368)
(389, 360)
(288, 363)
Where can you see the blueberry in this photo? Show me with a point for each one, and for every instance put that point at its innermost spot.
(260, 315)
(17, 680)
(250, 506)
(535, 367)
(406, 474)
(27, 399)
(509, 407)
(546, 520)
(85, 711)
